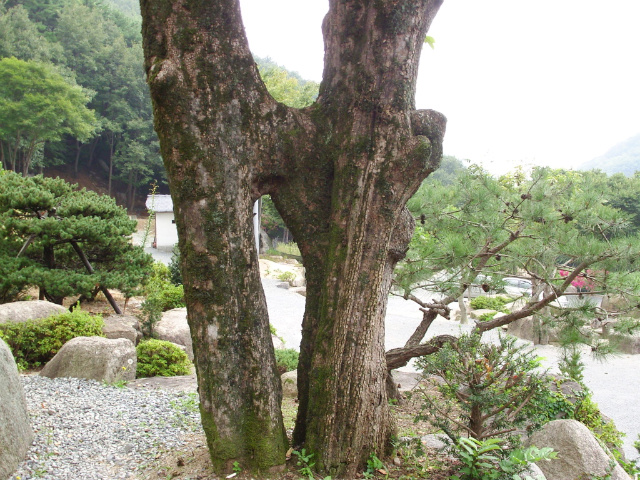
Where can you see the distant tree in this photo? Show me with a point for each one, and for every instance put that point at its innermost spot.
(555, 228)
(286, 87)
(64, 240)
(20, 38)
(38, 105)
(448, 172)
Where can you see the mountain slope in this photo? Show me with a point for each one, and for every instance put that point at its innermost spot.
(622, 158)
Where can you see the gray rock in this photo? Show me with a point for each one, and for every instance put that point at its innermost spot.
(97, 358)
(529, 328)
(278, 343)
(174, 328)
(290, 384)
(435, 441)
(122, 326)
(15, 430)
(534, 471)
(17, 312)
(579, 453)
(284, 285)
(626, 343)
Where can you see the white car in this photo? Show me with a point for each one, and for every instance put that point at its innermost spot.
(518, 286)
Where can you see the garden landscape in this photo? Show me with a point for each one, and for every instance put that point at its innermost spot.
(382, 325)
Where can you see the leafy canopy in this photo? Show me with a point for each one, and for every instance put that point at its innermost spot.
(43, 220)
(38, 105)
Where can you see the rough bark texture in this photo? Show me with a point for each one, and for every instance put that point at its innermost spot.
(340, 172)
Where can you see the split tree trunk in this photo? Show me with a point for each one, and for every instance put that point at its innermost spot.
(340, 173)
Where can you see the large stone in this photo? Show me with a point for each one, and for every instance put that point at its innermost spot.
(103, 359)
(173, 327)
(579, 453)
(18, 312)
(529, 328)
(15, 430)
(122, 326)
(289, 384)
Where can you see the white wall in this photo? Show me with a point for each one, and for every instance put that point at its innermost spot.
(166, 231)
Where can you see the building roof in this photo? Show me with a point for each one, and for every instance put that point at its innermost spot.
(159, 203)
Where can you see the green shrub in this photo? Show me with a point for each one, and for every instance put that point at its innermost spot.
(485, 317)
(35, 342)
(486, 390)
(162, 359)
(288, 277)
(174, 267)
(490, 303)
(588, 413)
(286, 360)
(161, 295)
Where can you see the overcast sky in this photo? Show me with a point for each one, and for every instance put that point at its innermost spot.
(545, 82)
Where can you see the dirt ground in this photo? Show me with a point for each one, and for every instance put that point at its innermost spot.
(410, 459)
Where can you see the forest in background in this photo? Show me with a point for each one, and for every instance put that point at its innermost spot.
(95, 49)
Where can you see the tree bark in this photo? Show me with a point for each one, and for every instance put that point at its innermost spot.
(340, 173)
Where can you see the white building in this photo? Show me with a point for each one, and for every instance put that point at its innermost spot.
(165, 232)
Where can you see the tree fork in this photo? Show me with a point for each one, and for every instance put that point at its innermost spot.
(340, 173)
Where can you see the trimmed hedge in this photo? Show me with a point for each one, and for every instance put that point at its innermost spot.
(35, 342)
(159, 358)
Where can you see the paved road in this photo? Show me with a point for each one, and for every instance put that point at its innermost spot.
(615, 384)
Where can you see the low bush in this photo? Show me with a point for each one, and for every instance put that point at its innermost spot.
(158, 358)
(35, 342)
(490, 303)
(485, 317)
(286, 360)
(161, 295)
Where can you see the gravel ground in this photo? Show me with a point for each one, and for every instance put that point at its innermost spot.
(90, 431)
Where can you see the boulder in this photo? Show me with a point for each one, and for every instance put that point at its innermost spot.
(174, 328)
(278, 343)
(122, 326)
(626, 343)
(529, 328)
(22, 311)
(103, 359)
(15, 430)
(579, 453)
(289, 384)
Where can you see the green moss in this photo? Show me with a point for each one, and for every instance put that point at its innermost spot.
(255, 446)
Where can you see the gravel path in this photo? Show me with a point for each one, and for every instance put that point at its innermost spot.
(89, 431)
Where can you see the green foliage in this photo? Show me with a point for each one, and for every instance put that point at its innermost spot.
(554, 227)
(160, 295)
(374, 464)
(588, 413)
(488, 390)
(286, 87)
(305, 463)
(490, 303)
(486, 459)
(271, 220)
(571, 364)
(161, 358)
(551, 405)
(38, 105)
(288, 277)
(35, 342)
(485, 317)
(43, 220)
(174, 267)
(286, 360)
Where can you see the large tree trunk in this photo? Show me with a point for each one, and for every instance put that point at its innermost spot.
(340, 173)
